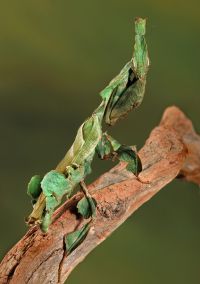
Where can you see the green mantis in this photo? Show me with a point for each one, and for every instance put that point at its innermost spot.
(124, 92)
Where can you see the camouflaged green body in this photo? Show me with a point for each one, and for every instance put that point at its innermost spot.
(70, 171)
(124, 92)
(84, 145)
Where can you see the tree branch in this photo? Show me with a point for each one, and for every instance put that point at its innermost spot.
(172, 149)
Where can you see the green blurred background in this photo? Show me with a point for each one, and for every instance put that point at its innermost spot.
(55, 58)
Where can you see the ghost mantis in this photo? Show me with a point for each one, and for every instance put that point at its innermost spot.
(124, 93)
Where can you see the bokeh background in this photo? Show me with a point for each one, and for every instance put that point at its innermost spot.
(55, 57)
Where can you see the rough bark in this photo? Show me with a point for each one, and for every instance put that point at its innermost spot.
(172, 149)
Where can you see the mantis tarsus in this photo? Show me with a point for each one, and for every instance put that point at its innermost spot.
(124, 92)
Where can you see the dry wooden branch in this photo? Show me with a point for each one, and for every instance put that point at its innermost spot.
(172, 149)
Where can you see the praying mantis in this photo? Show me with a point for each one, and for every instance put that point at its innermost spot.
(124, 93)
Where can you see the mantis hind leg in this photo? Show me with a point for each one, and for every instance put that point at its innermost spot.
(84, 189)
(91, 201)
